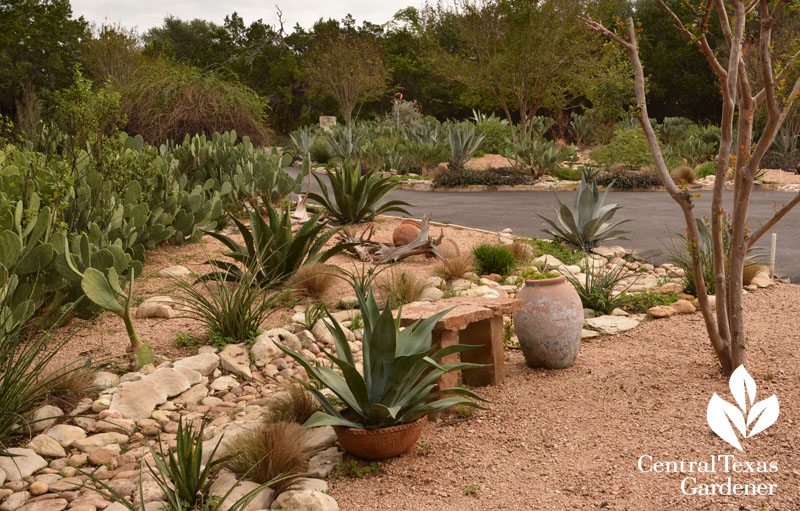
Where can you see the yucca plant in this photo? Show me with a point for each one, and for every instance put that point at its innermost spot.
(596, 289)
(271, 249)
(354, 197)
(589, 221)
(184, 479)
(234, 311)
(25, 382)
(463, 144)
(401, 369)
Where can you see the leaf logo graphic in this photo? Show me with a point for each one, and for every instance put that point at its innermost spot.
(730, 421)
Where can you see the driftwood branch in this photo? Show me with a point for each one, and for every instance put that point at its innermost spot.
(423, 244)
(363, 247)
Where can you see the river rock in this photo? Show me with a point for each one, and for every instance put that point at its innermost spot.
(324, 462)
(24, 463)
(264, 350)
(660, 311)
(612, 325)
(670, 287)
(174, 272)
(100, 441)
(104, 379)
(137, 400)
(204, 363)
(154, 310)
(683, 307)
(226, 480)
(44, 445)
(66, 434)
(431, 294)
(193, 395)
(44, 417)
(235, 359)
(15, 501)
(305, 500)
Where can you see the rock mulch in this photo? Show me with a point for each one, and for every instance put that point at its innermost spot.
(108, 436)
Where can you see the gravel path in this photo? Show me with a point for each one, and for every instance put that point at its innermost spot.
(571, 439)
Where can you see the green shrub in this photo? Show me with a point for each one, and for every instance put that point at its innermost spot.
(165, 101)
(493, 259)
(674, 129)
(494, 131)
(706, 169)
(638, 303)
(567, 173)
(321, 151)
(628, 148)
(271, 249)
(354, 197)
(490, 177)
(628, 179)
(557, 249)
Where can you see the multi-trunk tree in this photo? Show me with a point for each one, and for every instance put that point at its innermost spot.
(350, 68)
(751, 77)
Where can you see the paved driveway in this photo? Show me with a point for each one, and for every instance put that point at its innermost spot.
(656, 218)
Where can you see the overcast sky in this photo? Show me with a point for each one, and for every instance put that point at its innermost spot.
(144, 14)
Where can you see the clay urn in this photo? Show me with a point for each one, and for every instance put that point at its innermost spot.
(549, 323)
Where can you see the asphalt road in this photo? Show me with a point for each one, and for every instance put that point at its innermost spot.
(656, 218)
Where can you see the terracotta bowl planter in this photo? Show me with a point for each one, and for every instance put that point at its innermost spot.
(549, 323)
(378, 444)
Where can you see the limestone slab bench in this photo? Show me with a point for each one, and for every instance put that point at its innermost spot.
(472, 320)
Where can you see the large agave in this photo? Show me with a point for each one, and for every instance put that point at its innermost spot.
(463, 144)
(355, 197)
(401, 369)
(589, 221)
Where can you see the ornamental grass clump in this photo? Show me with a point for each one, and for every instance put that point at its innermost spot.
(400, 371)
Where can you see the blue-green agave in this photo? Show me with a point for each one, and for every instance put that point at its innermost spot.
(401, 369)
(589, 221)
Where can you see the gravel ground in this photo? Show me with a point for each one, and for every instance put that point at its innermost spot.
(571, 439)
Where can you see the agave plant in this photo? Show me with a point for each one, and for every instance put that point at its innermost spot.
(401, 369)
(271, 249)
(589, 221)
(355, 196)
(463, 144)
(345, 143)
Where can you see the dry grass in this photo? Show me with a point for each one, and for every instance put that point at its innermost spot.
(523, 252)
(312, 280)
(401, 288)
(684, 173)
(69, 391)
(271, 450)
(455, 267)
(292, 404)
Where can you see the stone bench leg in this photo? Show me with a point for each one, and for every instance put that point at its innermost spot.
(488, 334)
(442, 339)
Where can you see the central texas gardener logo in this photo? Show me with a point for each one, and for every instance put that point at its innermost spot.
(747, 417)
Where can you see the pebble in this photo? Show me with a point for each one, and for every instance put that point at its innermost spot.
(38, 488)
